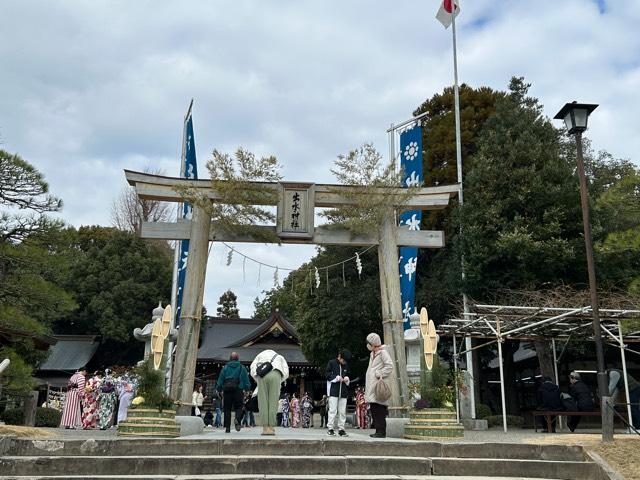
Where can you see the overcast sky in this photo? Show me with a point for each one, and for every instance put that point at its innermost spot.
(88, 89)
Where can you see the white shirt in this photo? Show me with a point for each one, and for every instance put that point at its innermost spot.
(279, 363)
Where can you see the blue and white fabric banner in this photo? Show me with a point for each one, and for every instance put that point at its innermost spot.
(411, 163)
(189, 169)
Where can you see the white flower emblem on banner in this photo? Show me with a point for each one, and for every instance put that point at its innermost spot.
(411, 151)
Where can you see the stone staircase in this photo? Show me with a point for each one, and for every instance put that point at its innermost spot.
(244, 459)
(434, 423)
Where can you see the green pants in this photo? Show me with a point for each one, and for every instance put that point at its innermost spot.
(268, 396)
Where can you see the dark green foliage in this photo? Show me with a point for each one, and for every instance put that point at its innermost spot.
(151, 386)
(483, 411)
(13, 416)
(45, 417)
(48, 417)
(512, 420)
(117, 279)
(437, 385)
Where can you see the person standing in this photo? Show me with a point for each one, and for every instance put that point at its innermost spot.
(71, 410)
(580, 392)
(90, 402)
(361, 409)
(197, 400)
(279, 410)
(295, 412)
(337, 375)
(215, 404)
(322, 406)
(286, 411)
(232, 381)
(106, 401)
(549, 401)
(380, 369)
(126, 395)
(616, 385)
(269, 369)
(306, 408)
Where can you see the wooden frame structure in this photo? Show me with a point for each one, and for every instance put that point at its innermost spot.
(199, 230)
(498, 323)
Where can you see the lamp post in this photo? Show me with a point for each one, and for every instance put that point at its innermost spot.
(575, 116)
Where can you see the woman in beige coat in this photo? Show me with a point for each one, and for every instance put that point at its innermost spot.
(380, 367)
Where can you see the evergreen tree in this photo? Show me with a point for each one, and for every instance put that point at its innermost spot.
(228, 305)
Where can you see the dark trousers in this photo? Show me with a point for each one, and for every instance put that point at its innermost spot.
(543, 423)
(323, 417)
(634, 398)
(232, 401)
(379, 414)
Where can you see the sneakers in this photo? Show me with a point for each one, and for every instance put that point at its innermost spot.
(378, 435)
(342, 433)
(238, 425)
(330, 432)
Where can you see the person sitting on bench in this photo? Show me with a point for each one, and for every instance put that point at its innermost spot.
(616, 385)
(549, 400)
(580, 392)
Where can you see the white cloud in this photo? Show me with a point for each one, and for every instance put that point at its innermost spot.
(89, 89)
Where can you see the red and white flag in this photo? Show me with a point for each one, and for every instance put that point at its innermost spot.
(446, 13)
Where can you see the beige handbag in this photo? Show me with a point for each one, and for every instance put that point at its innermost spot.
(382, 390)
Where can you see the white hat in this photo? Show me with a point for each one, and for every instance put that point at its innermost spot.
(373, 339)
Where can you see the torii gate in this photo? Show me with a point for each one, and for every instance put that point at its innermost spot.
(296, 205)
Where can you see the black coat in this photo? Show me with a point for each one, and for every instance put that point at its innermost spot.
(549, 397)
(582, 395)
(334, 369)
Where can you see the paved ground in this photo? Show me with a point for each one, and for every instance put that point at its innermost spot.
(487, 436)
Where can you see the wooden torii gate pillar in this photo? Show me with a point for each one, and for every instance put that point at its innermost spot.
(200, 231)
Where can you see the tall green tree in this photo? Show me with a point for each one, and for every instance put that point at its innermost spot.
(117, 281)
(228, 305)
(30, 295)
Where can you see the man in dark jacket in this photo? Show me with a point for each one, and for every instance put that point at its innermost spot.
(232, 381)
(337, 375)
(580, 392)
(549, 401)
(616, 385)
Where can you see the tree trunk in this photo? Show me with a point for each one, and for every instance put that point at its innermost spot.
(545, 358)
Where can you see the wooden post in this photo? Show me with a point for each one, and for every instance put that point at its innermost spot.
(392, 321)
(606, 406)
(189, 331)
(30, 406)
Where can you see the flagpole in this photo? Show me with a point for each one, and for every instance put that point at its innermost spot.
(176, 258)
(456, 96)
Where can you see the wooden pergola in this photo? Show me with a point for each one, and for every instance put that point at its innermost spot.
(497, 323)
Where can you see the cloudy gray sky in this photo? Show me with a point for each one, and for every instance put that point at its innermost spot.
(88, 89)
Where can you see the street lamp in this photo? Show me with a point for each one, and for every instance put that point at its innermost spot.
(575, 116)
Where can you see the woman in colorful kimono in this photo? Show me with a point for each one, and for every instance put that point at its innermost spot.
(285, 411)
(295, 412)
(90, 402)
(106, 402)
(306, 407)
(125, 394)
(361, 409)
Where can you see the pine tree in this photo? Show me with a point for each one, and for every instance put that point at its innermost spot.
(228, 305)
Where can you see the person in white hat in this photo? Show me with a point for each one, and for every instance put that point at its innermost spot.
(380, 367)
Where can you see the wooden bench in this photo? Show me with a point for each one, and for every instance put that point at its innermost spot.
(549, 414)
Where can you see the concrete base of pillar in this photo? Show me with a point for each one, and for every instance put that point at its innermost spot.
(395, 427)
(472, 424)
(190, 425)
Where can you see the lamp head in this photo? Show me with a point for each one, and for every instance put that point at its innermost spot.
(575, 115)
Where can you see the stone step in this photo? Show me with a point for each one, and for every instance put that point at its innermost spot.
(258, 466)
(275, 446)
(265, 477)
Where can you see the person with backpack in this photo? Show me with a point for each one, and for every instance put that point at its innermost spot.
(232, 381)
(337, 376)
(269, 369)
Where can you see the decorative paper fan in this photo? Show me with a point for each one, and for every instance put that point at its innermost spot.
(157, 343)
(166, 321)
(429, 338)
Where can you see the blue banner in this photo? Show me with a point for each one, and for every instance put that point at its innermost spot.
(411, 163)
(189, 170)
